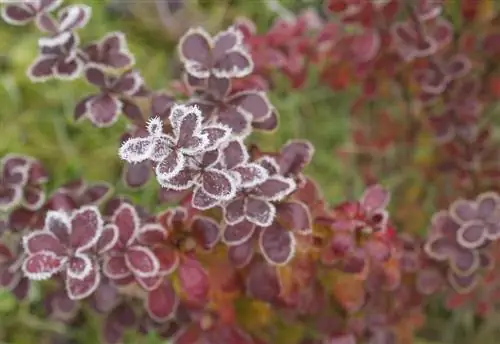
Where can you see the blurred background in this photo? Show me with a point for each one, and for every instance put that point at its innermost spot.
(38, 119)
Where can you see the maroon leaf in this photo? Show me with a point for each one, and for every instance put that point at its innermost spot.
(42, 241)
(111, 52)
(234, 64)
(115, 267)
(42, 265)
(86, 227)
(206, 231)
(127, 221)
(277, 244)
(294, 156)
(142, 262)
(250, 175)
(171, 165)
(254, 104)
(269, 124)
(103, 110)
(259, 211)
(108, 239)
(263, 283)
(79, 266)
(238, 122)
(78, 289)
(295, 216)
(193, 280)
(234, 154)
(18, 14)
(240, 255)
(162, 302)
(234, 211)
(195, 52)
(136, 149)
(74, 17)
(202, 200)
(218, 184)
(59, 224)
(168, 258)
(216, 135)
(238, 233)
(42, 68)
(275, 188)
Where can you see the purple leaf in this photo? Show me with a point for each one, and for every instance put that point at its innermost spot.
(235, 64)
(42, 241)
(171, 165)
(216, 135)
(240, 255)
(137, 175)
(108, 239)
(202, 200)
(238, 233)
(234, 154)
(33, 198)
(259, 211)
(206, 231)
(110, 52)
(79, 266)
(234, 210)
(375, 198)
(74, 17)
(218, 184)
(295, 216)
(472, 234)
(184, 180)
(268, 124)
(463, 211)
(253, 104)
(275, 188)
(155, 126)
(136, 149)
(195, 52)
(277, 244)
(42, 265)
(42, 68)
(115, 267)
(59, 224)
(86, 228)
(18, 14)
(250, 175)
(128, 223)
(103, 110)
(240, 123)
(79, 289)
(142, 262)
(162, 302)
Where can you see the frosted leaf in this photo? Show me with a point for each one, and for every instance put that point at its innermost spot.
(79, 266)
(136, 149)
(277, 245)
(42, 265)
(142, 262)
(155, 126)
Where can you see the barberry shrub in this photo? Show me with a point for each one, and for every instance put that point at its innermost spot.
(243, 248)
